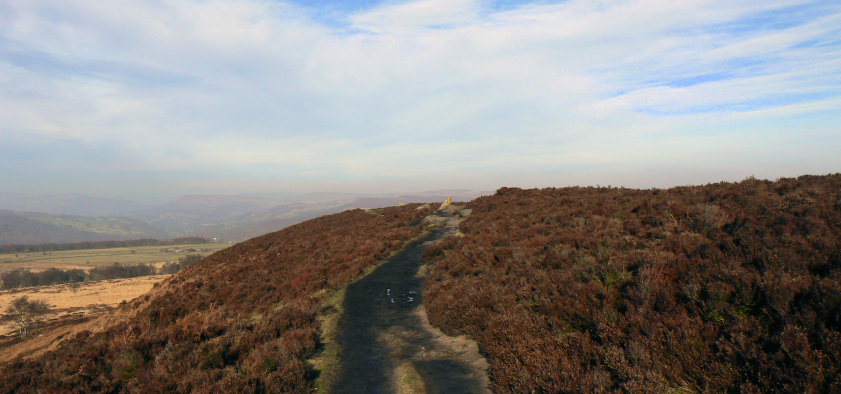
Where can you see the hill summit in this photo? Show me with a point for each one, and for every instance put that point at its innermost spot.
(729, 287)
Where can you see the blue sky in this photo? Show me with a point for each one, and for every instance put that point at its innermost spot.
(150, 100)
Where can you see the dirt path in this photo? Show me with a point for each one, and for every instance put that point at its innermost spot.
(387, 344)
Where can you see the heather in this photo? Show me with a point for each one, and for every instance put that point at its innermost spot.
(242, 319)
(730, 287)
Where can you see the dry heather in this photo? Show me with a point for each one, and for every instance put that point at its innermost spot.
(720, 288)
(243, 319)
(732, 287)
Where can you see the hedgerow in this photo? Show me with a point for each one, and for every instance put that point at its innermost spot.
(22, 277)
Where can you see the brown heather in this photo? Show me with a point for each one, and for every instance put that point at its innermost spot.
(717, 288)
(240, 320)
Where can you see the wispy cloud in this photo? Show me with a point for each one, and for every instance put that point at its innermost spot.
(522, 93)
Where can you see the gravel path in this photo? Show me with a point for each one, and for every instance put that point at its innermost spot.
(387, 343)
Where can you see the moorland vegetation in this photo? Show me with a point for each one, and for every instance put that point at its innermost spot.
(731, 287)
(242, 319)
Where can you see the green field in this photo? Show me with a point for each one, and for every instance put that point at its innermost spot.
(122, 226)
(100, 257)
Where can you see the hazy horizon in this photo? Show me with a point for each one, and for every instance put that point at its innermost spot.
(6, 198)
(148, 101)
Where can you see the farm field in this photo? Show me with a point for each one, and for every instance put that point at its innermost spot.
(87, 259)
(70, 310)
(118, 226)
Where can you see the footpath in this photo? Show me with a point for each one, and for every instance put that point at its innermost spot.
(386, 342)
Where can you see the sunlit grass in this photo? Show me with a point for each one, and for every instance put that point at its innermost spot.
(101, 257)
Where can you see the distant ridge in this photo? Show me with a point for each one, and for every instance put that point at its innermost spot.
(68, 204)
(40, 228)
(232, 217)
(16, 228)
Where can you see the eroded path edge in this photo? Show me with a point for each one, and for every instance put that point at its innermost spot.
(383, 340)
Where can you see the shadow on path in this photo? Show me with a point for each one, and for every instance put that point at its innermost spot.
(382, 329)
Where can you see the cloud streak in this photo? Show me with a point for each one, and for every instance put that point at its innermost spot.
(531, 94)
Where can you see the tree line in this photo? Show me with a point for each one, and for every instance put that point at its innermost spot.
(57, 247)
(26, 278)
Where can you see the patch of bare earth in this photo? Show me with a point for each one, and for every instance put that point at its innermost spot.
(386, 343)
(72, 309)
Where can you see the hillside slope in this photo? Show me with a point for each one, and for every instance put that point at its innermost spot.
(42, 228)
(16, 228)
(242, 319)
(68, 204)
(717, 288)
(721, 288)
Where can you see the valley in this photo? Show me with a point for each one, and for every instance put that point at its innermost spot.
(36, 219)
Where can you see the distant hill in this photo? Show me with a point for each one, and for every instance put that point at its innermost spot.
(237, 218)
(188, 214)
(229, 217)
(37, 228)
(68, 204)
(16, 228)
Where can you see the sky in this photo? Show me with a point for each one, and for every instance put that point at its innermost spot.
(151, 99)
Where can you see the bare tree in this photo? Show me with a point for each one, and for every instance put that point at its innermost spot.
(26, 313)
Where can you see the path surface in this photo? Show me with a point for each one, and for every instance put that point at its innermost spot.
(387, 343)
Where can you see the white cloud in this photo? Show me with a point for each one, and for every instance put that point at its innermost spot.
(540, 88)
(410, 16)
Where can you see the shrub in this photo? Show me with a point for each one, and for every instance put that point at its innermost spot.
(723, 287)
(243, 318)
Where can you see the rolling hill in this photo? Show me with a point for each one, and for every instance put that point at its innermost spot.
(68, 204)
(38, 228)
(240, 217)
(730, 287)
(232, 218)
(242, 319)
